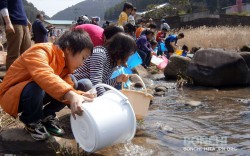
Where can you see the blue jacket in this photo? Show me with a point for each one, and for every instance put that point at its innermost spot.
(40, 33)
(16, 11)
(171, 38)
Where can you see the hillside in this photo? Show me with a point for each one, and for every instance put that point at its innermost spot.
(88, 7)
(31, 11)
(176, 7)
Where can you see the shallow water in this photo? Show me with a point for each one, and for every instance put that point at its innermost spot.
(220, 125)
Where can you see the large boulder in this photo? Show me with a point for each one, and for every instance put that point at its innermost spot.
(246, 57)
(176, 65)
(216, 68)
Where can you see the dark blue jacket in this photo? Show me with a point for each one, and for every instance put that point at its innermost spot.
(40, 33)
(16, 11)
(143, 44)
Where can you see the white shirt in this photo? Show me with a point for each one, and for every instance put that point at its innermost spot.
(165, 25)
(131, 19)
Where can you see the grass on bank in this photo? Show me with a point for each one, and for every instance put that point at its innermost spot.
(230, 38)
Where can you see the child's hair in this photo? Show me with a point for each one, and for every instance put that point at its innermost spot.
(181, 35)
(127, 5)
(75, 40)
(148, 31)
(111, 31)
(153, 42)
(129, 28)
(164, 29)
(120, 46)
(152, 26)
(185, 48)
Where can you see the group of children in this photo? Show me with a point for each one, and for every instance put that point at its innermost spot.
(147, 37)
(49, 76)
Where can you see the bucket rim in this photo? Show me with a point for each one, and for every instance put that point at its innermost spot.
(139, 92)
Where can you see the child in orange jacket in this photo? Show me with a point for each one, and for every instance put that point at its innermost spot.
(37, 84)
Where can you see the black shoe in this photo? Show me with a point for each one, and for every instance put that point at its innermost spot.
(37, 131)
(51, 124)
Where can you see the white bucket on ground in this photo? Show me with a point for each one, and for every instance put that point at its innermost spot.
(106, 121)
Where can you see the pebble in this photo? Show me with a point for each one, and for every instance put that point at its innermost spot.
(160, 89)
(138, 85)
(193, 103)
(159, 93)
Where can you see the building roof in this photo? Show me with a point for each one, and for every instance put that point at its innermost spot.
(157, 7)
(59, 22)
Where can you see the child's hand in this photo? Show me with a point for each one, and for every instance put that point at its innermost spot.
(75, 101)
(87, 94)
(122, 78)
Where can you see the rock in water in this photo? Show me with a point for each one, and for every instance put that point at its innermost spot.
(216, 68)
(161, 93)
(176, 65)
(193, 103)
(160, 88)
(138, 85)
(246, 57)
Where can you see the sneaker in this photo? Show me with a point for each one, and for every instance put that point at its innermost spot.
(37, 131)
(51, 124)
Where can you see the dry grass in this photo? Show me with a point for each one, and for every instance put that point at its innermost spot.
(231, 38)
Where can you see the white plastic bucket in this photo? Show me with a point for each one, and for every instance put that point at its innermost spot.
(106, 121)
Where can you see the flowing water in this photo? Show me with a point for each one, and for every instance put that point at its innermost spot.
(219, 125)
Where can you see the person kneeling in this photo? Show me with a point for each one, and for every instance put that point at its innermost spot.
(38, 83)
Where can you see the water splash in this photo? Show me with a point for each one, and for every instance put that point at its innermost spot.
(131, 149)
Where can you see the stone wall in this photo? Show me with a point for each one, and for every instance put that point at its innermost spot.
(176, 22)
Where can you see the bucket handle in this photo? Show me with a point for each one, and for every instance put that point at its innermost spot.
(135, 75)
(111, 88)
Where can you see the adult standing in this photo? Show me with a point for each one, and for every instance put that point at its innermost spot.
(17, 29)
(40, 33)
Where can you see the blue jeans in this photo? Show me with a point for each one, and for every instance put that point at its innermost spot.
(35, 104)
(146, 57)
(83, 84)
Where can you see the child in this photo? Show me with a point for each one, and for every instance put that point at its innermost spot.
(160, 37)
(123, 18)
(38, 84)
(171, 43)
(100, 66)
(154, 45)
(185, 50)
